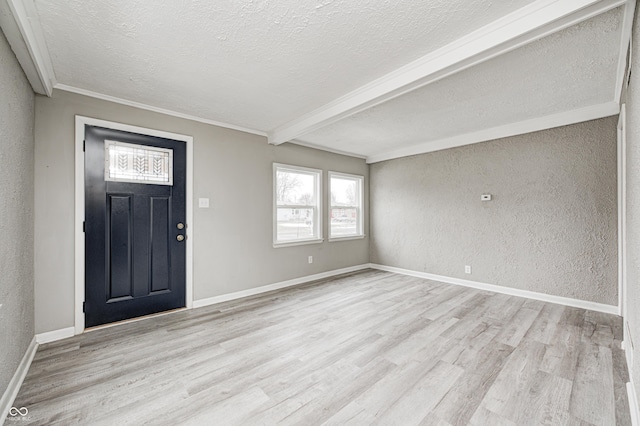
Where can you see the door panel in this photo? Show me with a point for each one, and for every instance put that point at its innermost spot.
(160, 244)
(135, 264)
(119, 252)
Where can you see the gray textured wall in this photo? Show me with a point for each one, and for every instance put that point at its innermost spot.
(633, 207)
(551, 227)
(16, 214)
(233, 239)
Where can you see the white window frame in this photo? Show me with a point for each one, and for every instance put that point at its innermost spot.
(316, 208)
(359, 208)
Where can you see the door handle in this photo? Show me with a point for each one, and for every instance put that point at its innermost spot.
(180, 237)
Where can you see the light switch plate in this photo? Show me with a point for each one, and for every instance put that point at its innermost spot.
(203, 203)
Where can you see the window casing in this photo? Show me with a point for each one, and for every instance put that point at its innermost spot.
(345, 206)
(297, 206)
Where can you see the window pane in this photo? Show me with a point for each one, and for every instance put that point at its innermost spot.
(345, 212)
(294, 188)
(344, 222)
(297, 193)
(125, 162)
(344, 192)
(295, 224)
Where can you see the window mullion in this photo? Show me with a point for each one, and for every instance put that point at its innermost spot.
(296, 206)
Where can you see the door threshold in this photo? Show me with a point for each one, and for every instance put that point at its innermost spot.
(131, 320)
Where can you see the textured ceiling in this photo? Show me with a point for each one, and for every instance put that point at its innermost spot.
(562, 72)
(256, 64)
(275, 67)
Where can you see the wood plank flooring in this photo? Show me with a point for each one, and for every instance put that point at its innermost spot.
(365, 348)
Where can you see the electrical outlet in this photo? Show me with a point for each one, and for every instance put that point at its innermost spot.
(310, 259)
(467, 269)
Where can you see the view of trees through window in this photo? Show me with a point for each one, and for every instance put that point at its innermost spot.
(298, 201)
(345, 206)
(296, 204)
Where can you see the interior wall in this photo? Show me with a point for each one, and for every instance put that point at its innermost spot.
(16, 211)
(551, 226)
(232, 240)
(632, 319)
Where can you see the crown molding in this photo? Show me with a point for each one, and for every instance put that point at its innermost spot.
(27, 21)
(152, 108)
(326, 149)
(528, 24)
(625, 40)
(43, 80)
(527, 126)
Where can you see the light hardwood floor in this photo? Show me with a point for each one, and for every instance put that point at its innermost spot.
(369, 347)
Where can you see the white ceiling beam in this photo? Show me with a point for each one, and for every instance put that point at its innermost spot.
(327, 149)
(19, 47)
(564, 118)
(530, 23)
(26, 18)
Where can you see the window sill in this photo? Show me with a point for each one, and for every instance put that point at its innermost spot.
(354, 237)
(298, 243)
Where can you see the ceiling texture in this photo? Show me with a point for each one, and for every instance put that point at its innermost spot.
(378, 79)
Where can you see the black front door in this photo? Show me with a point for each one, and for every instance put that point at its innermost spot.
(134, 225)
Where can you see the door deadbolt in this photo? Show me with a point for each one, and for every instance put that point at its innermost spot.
(180, 238)
(180, 225)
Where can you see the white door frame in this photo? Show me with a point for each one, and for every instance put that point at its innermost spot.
(79, 206)
(622, 214)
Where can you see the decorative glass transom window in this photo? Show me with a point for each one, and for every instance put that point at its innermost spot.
(125, 162)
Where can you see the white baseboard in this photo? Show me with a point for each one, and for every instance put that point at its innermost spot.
(16, 381)
(576, 303)
(631, 388)
(52, 336)
(63, 333)
(628, 353)
(633, 402)
(276, 286)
